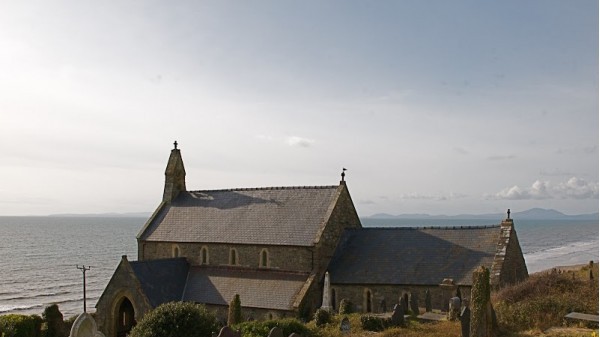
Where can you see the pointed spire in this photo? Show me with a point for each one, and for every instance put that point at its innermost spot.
(174, 175)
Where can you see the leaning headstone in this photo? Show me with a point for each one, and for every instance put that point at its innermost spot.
(427, 301)
(398, 315)
(414, 303)
(465, 321)
(229, 332)
(481, 307)
(382, 306)
(345, 326)
(454, 310)
(85, 326)
(276, 332)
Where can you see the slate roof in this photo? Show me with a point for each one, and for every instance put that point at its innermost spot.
(162, 280)
(268, 216)
(268, 289)
(418, 256)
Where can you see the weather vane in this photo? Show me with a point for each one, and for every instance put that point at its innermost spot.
(343, 173)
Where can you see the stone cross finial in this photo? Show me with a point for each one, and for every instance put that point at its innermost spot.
(508, 214)
(175, 144)
(343, 173)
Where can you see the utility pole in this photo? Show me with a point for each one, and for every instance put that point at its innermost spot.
(83, 268)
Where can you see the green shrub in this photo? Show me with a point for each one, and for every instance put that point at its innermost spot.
(14, 325)
(345, 307)
(322, 317)
(373, 323)
(262, 328)
(55, 326)
(177, 319)
(234, 315)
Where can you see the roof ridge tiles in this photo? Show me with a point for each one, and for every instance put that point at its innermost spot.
(427, 227)
(273, 188)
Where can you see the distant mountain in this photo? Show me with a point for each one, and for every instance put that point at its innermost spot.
(530, 214)
(104, 215)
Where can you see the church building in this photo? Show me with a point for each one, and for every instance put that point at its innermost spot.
(273, 246)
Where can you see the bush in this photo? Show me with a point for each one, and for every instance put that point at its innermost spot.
(345, 307)
(14, 325)
(177, 319)
(55, 326)
(234, 315)
(372, 323)
(262, 328)
(322, 317)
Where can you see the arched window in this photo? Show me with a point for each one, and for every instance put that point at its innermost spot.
(333, 298)
(264, 258)
(204, 255)
(368, 301)
(233, 257)
(175, 252)
(125, 318)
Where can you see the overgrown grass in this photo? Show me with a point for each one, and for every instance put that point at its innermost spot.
(544, 299)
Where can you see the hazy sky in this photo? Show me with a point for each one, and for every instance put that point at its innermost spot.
(440, 107)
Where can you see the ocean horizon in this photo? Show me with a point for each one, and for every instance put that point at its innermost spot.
(40, 254)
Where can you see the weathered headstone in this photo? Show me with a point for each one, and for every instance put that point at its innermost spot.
(414, 303)
(465, 321)
(398, 315)
(448, 289)
(481, 308)
(345, 326)
(405, 296)
(427, 301)
(276, 332)
(382, 306)
(458, 293)
(229, 332)
(454, 309)
(85, 326)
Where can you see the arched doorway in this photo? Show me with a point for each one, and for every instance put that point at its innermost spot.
(125, 318)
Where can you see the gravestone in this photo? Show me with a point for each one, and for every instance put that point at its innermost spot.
(448, 289)
(382, 306)
(458, 294)
(276, 332)
(403, 304)
(85, 326)
(481, 307)
(427, 301)
(345, 326)
(454, 309)
(465, 321)
(229, 332)
(398, 315)
(414, 303)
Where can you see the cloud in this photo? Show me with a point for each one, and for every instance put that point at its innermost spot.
(574, 188)
(506, 157)
(437, 197)
(299, 141)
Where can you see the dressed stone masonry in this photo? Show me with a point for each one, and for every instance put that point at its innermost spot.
(273, 247)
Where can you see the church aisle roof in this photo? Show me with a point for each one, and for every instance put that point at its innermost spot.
(267, 289)
(267, 216)
(162, 280)
(419, 256)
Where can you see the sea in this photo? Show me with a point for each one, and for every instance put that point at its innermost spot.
(41, 258)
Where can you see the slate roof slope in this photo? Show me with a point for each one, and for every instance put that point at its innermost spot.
(270, 216)
(218, 285)
(419, 256)
(162, 280)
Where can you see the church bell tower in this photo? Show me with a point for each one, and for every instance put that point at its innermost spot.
(174, 175)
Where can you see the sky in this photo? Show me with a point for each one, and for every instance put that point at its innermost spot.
(439, 107)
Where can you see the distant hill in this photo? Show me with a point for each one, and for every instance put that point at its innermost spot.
(104, 215)
(530, 214)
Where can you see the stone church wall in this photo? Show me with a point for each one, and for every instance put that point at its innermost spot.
(391, 294)
(279, 257)
(514, 269)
